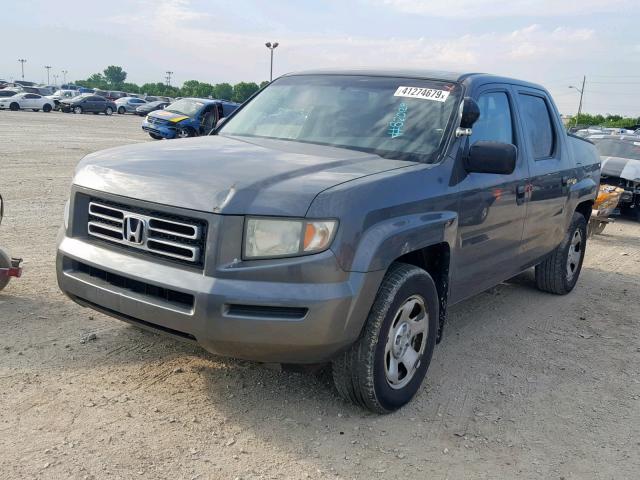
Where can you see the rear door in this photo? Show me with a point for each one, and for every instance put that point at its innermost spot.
(98, 104)
(552, 173)
(492, 207)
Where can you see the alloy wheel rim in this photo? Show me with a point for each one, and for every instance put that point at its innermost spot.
(574, 255)
(182, 133)
(406, 342)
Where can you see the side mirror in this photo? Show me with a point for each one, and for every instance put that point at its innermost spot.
(492, 157)
(470, 112)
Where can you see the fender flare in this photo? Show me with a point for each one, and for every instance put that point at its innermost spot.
(390, 239)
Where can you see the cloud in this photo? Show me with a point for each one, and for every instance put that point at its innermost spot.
(505, 8)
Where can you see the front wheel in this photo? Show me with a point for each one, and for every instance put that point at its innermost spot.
(77, 110)
(384, 369)
(14, 107)
(108, 111)
(121, 110)
(185, 133)
(559, 272)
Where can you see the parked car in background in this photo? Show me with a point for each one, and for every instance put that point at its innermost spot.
(155, 98)
(189, 117)
(149, 107)
(128, 104)
(45, 91)
(88, 103)
(8, 92)
(322, 222)
(102, 93)
(620, 155)
(26, 101)
(86, 90)
(114, 95)
(60, 95)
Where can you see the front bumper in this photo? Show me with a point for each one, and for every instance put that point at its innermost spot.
(164, 131)
(287, 320)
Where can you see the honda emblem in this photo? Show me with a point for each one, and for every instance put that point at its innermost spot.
(134, 230)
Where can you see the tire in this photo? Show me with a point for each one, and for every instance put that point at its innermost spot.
(596, 227)
(364, 373)
(155, 137)
(122, 110)
(185, 133)
(108, 111)
(77, 110)
(559, 272)
(46, 108)
(35, 109)
(14, 107)
(5, 262)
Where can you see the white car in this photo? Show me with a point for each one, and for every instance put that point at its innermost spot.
(27, 101)
(60, 95)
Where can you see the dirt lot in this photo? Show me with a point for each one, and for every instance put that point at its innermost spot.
(524, 385)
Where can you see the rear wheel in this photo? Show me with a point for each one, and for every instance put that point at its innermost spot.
(108, 111)
(5, 262)
(46, 108)
(121, 110)
(559, 272)
(77, 110)
(35, 109)
(384, 369)
(14, 106)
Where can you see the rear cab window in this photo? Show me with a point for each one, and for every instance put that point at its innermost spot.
(538, 125)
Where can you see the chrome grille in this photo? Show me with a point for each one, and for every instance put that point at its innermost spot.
(147, 231)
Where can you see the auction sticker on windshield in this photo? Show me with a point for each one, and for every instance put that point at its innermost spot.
(422, 93)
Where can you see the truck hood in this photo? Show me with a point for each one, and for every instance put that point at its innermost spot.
(626, 168)
(227, 174)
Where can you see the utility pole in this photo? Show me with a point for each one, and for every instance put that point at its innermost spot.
(169, 78)
(22, 62)
(581, 90)
(55, 79)
(271, 47)
(64, 76)
(48, 67)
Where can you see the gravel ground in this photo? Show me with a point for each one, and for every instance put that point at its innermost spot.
(525, 384)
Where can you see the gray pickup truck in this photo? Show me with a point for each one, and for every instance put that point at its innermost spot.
(333, 218)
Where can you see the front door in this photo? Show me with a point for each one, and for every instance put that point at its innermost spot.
(492, 207)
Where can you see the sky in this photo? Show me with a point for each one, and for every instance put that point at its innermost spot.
(550, 42)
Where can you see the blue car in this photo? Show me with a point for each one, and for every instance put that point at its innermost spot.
(187, 117)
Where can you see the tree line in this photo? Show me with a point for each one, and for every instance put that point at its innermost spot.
(114, 78)
(614, 121)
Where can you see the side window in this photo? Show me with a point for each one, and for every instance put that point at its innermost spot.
(494, 124)
(537, 125)
(98, 99)
(31, 96)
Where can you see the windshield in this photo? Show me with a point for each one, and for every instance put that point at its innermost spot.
(609, 147)
(397, 118)
(185, 106)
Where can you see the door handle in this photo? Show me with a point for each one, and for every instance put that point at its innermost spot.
(520, 193)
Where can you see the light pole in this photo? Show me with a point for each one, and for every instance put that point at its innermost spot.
(22, 62)
(271, 47)
(55, 79)
(581, 90)
(169, 77)
(48, 67)
(64, 76)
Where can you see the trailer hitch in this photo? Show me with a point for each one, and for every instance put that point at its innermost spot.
(15, 270)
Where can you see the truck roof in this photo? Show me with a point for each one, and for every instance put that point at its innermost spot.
(468, 78)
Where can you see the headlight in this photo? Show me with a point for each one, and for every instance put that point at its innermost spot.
(271, 237)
